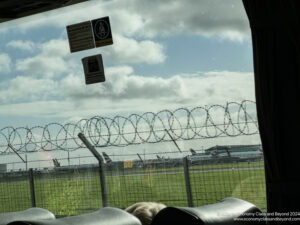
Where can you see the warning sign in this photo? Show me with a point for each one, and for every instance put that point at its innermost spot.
(80, 36)
(93, 69)
(102, 32)
(89, 34)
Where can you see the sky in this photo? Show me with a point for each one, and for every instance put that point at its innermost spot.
(166, 55)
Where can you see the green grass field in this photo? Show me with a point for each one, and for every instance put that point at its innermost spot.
(77, 193)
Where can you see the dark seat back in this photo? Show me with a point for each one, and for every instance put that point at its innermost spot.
(228, 211)
(28, 214)
(104, 216)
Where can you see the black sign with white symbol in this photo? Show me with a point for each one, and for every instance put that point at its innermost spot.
(102, 32)
(89, 34)
(93, 69)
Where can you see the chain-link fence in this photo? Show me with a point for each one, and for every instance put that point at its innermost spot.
(69, 191)
(245, 180)
(151, 181)
(14, 191)
(72, 191)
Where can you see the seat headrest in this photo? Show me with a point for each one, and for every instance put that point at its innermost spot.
(104, 216)
(223, 212)
(28, 214)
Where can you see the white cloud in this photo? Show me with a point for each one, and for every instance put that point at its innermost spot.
(123, 91)
(122, 84)
(5, 63)
(125, 50)
(54, 58)
(143, 18)
(225, 19)
(217, 87)
(55, 48)
(36, 108)
(50, 60)
(45, 66)
(22, 45)
(26, 89)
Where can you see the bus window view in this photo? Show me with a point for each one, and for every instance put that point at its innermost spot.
(172, 119)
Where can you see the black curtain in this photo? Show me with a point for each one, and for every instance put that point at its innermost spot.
(275, 26)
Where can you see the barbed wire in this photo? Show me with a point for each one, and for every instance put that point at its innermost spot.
(232, 119)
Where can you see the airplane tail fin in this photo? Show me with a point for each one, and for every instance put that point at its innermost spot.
(228, 152)
(56, 163)
(193, 151)
(106, 158)
(140, 157)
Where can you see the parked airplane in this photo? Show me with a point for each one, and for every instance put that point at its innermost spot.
(198, 156)
(241, 152)
(162, 158)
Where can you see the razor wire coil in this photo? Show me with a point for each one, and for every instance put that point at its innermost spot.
(232, 119)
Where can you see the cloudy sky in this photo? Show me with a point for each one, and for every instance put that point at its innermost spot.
(166, 54)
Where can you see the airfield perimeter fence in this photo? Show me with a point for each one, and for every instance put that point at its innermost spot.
(76, 190)
(73, 191)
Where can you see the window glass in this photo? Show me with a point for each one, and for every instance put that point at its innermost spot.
(178, 84)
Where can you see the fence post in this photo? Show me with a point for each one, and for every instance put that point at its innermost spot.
(188, 182)
(32, 192)
(101, 167)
